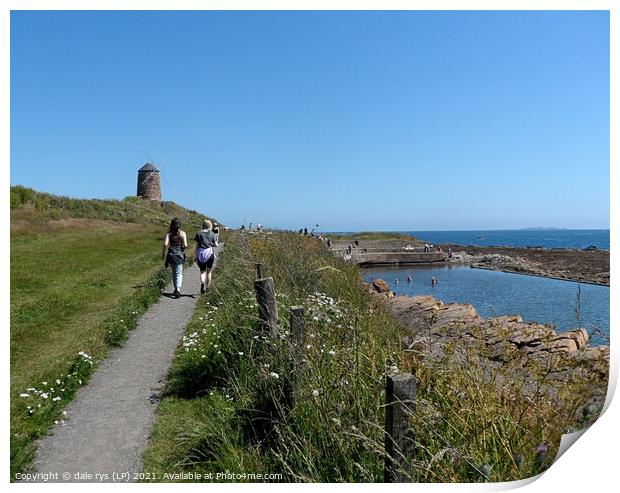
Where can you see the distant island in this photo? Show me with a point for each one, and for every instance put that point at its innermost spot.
(543, 228)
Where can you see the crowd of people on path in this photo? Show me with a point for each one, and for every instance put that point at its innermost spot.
(304, 231)
(173, 253)
(258, 228)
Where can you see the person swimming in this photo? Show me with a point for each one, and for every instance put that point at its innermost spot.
(434, 281)
(409, 279)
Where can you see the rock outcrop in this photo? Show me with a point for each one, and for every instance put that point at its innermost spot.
(528, 349)
(591, 266)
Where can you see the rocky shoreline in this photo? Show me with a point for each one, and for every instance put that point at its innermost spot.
(590, 265)
(533, 352)
(587, 266)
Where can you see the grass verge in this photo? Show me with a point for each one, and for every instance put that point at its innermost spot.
(74, 293)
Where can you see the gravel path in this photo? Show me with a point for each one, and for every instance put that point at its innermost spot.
(109, 422)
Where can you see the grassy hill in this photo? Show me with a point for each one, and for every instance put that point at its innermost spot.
(82, 272)
(30, 207)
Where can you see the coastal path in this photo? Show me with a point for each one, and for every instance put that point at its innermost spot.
(109, 422)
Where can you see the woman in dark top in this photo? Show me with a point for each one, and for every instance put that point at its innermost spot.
(176, 243)
(206, 241)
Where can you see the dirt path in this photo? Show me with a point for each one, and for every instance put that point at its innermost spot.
(108, 423)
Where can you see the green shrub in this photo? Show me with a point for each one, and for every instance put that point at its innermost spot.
(21, 195)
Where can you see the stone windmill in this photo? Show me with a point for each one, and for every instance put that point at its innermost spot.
(149, 185)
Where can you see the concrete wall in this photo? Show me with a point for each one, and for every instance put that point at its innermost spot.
(396, 258)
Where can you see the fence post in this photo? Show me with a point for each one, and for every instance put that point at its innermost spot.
(259, 271)
(400, 391)
(297, 333)
(267, 306)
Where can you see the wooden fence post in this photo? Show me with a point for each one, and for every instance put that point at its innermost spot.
(400, 391)
(297, 333)
(259, 271)
(267, 306)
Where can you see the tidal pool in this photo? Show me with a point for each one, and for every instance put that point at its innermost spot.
(565, 304)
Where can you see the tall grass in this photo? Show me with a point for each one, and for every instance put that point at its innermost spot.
(238, 401)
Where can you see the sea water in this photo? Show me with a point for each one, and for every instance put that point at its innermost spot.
(564, 304)
(522, 238)
(546, 238)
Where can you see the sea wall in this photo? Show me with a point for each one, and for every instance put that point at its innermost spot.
(385, 252)
(590, 266)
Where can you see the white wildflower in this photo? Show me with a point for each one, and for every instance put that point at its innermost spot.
(274, 374)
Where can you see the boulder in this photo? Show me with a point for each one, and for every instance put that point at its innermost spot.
(380, 286)
(580, 336)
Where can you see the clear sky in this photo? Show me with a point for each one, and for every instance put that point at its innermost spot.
(352, 120)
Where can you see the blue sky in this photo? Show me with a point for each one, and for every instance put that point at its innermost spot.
(352, 120)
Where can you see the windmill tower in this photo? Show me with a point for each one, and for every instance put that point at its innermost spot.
(149, 186)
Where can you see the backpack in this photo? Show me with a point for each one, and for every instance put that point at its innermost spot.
(204, 254)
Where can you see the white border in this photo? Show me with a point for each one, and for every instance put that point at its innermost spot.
(589, 465)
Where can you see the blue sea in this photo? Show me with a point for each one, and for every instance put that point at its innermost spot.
(546, 238)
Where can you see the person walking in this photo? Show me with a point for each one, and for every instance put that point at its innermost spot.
(206, 241)
(176, 243)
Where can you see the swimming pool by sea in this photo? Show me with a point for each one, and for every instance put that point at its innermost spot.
(494, 293)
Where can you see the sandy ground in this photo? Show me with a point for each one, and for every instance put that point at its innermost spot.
(108, 423)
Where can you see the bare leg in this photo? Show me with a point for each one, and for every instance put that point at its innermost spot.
(208, 277)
